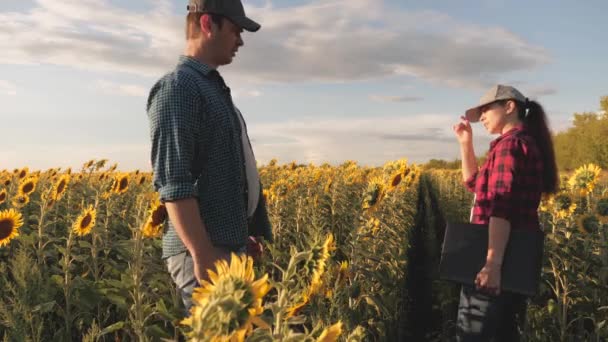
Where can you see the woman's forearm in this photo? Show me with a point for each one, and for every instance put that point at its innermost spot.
(499, 232)
(469, 161)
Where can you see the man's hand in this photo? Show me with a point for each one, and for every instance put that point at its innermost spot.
(488, 279)
(206, 261)
(255, 249)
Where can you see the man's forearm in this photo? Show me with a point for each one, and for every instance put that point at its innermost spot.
(186, 218)
(499, 232)
(469, 162)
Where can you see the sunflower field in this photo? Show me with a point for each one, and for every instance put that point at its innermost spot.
(80, 259)
(573, 301)
(354, 259)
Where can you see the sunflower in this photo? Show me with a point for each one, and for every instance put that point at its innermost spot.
(121, 183)
(3, 196)
(23, 172)
(28, 185)
(7, 182)
(88, 164)
(587, 223)
(20, 200)
(85, 222)
(331, 334)
(150, 230)
(142, 179)
(563, 205)
(585, 178)
(60, 187)
(395, 180)
(328, 185)
(601, 209)
(280, 188)
(153, 225)
(297, 308)
(320, 257)
(229, 305)
(10, 222)
(374, 193)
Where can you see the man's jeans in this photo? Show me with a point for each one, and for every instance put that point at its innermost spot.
(181, 268)
(482, 317)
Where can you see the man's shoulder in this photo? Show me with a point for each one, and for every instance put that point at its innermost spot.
(180, 77)
(176, 81)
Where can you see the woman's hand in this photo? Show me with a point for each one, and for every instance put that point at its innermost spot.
(463, 131)
(488, 279)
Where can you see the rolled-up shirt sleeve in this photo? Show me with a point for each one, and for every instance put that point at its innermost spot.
(469, 184)
(173, 105)
(502, 179)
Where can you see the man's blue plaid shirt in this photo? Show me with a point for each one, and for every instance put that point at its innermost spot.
(197, 152)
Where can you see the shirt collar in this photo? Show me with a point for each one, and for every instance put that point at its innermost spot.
(197, 65)
(512, 131)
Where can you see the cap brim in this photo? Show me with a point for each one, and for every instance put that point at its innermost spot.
(473, 114)
(246, 24)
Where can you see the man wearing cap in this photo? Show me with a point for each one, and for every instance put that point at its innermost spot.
(204, 167)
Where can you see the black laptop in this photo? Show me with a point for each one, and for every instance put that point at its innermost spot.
(465, 248)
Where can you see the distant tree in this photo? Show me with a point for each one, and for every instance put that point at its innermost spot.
(586, 141)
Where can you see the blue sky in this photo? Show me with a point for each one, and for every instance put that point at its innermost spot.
(364, 80)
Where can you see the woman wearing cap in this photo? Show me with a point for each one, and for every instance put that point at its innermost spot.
(520, 167)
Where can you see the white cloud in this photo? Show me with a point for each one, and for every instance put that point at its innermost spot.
(121, 89)
(246, 93)
(395, 98)
(322, 40)
(540, 91)
(8, 88)
(367, 140)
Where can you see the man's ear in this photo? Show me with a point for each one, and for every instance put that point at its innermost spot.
(206, 24)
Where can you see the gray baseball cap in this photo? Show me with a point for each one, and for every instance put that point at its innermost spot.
(231, 9)
(496, 93)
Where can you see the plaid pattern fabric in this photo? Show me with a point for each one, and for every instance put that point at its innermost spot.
(197, 152)
(509, 184)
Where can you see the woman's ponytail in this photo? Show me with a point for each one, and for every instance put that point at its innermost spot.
(534, 118)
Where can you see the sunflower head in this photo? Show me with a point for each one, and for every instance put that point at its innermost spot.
(7, 182)
(23, 172)
(121, 183)
(328, 185)
(60, 187)
(331, 334)
(10, 222)
(142, 179)
(3, 196)
(230, 303)
(587, 223)
(85, 222)
(280, 188)
(585, 178)
(601, 210)
(150, 230)
(602, 207)
(88, 164)
(297, 308)
(563, 205)
(20, 200)
(396, 180)
(374, 193)
(158, 213)
(28, 185)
